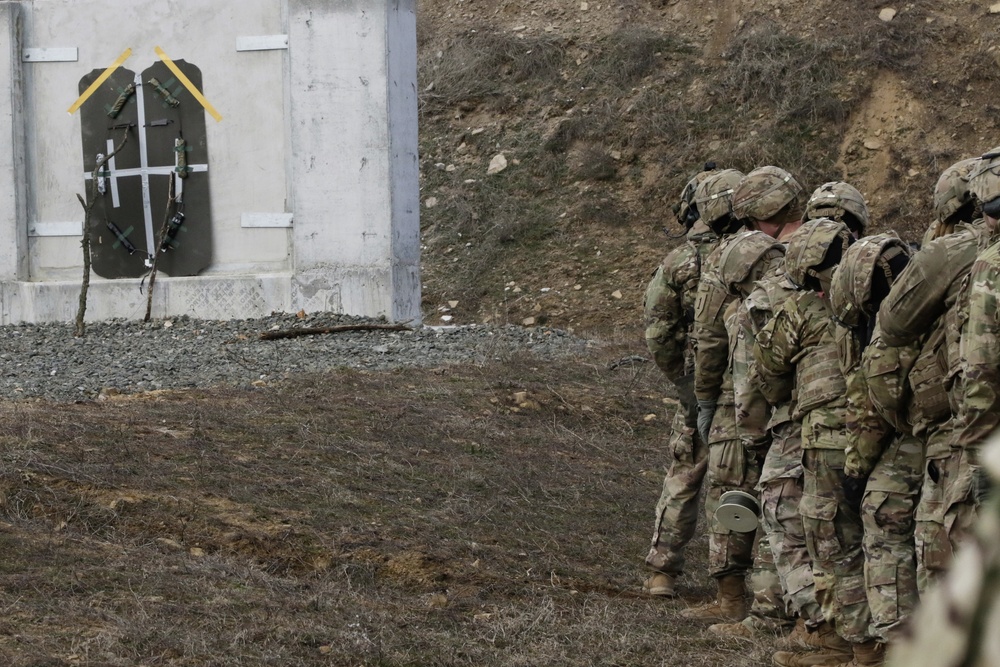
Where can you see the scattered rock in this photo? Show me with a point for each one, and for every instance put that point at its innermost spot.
(453, 304)
(650, 417)
(873, 144)
(497, 164)
(617, 294)
(528, 321)
(431, 202)
(995, 8)
(887, 14)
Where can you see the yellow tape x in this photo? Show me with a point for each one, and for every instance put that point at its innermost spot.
(187, 84)
(99, 80)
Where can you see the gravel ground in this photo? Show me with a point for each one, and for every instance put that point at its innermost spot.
(47, 361)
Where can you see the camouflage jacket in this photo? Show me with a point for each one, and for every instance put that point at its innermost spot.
(797, 359)
(754, 414)
(711, 343)
(878, 403)
(980, 352)
(668, 305)
(724, 421)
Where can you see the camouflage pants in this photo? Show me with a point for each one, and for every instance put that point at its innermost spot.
(729, 468)
(677, 509)
(780, 497)
(887, 512)
(834, 533)
(945, 514)
(731, 553)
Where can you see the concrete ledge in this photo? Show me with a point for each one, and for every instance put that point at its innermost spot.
(209, 298)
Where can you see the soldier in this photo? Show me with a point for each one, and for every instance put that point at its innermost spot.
(730, 552)
(925, 306)
(884, 464)
(953, 202)
(796, 354)
(732, 467)
(979, 346)
(751, 268)
(958, 622)
(668, 307)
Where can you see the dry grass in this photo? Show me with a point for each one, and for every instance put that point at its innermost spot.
(399, 518)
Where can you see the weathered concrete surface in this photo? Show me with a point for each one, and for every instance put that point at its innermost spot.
(324, 130)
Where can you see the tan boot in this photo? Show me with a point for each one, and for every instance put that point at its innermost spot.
(824, 657)
(729, 607)
(735, 630)
(823, 636)
(869, 654)
(659, 585)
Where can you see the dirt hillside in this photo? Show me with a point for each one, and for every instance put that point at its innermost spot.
(556, 134)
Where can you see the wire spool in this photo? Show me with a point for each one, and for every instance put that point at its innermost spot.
(738, 511)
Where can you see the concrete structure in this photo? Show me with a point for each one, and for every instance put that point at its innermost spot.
(314, 173)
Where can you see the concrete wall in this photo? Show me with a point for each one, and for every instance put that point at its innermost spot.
(323, 132)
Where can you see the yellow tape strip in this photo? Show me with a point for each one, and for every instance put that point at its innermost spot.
(101, 79)
(187, 84)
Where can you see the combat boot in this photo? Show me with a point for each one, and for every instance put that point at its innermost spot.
(823, 636)
(868, 654)
(824, 657)
(659, 585)
(730, 606)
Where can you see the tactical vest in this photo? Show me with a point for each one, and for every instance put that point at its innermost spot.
(929, 403)
(771, 289)
(818, 375)
(886, 369)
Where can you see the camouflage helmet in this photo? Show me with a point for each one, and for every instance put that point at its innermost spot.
(741, 253)
(764, 192)
(686, 210)
(714, 194)
(952, 189)
(984, 181)
(809, 245)
(851, 289)
(838, 200)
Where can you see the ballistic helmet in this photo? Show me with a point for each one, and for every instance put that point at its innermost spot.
(713, 198)
(952, 192)
(869, 260)
(814, 247)
(741, 254)
(763, 193)
(686, 210)
(839, 201)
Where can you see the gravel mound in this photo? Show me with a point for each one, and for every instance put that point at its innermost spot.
(47, 361)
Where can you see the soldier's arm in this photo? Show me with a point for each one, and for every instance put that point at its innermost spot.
(774, 353)
(868, 433)
(666, 324)
(752, 409)
(711, 342)
(980, 347)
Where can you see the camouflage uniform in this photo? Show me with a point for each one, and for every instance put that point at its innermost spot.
(923, 309)
(669, 307)
(958, 622)
(730, 467)
(797, 359)
(770, 432)
(880, 448)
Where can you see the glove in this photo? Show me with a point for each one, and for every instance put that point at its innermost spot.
(706, 410)
(854, 491)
